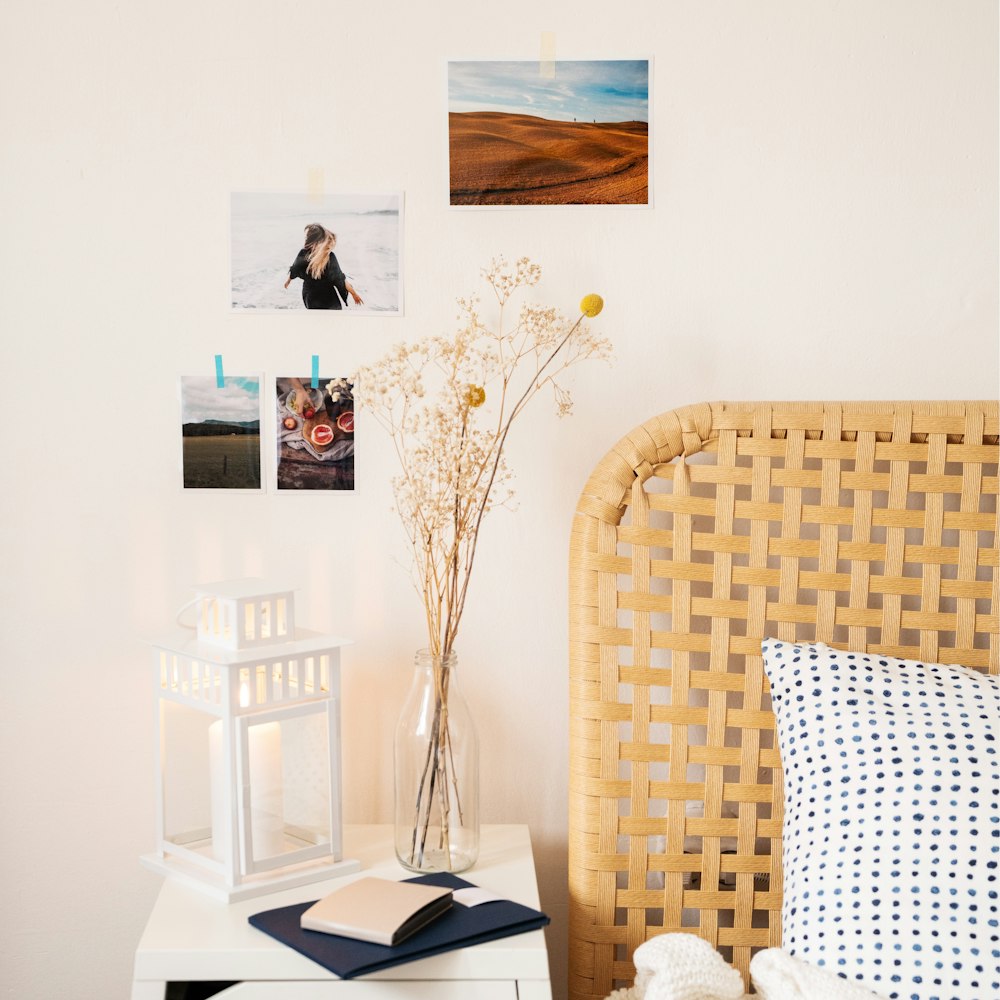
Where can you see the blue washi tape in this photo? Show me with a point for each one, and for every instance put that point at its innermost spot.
(220, 381)
(315, 381)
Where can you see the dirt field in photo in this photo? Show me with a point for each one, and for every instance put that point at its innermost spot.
(220, 463)
(507, 159)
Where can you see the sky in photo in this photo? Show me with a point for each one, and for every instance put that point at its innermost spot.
(610, 90)
(201, 399)
(254, 205)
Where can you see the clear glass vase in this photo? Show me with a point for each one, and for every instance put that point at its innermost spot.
(437, 772)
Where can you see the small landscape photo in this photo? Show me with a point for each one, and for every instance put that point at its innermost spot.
(220, 433)
(562, 133)
(315, 430)
(307, 252)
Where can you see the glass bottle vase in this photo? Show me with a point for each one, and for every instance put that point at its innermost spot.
(436, 772)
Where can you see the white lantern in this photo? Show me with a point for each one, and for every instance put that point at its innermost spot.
(248, 732)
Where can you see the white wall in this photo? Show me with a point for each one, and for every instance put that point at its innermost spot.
(825, 225)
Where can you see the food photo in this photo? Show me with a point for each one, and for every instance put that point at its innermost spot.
(315, 434)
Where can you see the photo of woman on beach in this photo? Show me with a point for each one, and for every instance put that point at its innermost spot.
(324, 284)
(269, 231)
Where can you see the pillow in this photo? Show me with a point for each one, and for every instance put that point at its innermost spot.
(891, 834)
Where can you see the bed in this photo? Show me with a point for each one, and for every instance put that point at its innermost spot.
(865, 526)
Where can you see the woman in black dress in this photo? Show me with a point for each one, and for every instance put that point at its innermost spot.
(324, 284)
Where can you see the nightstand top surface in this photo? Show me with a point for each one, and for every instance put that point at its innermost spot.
(192, 937)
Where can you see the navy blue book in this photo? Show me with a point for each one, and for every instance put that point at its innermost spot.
(459, 927)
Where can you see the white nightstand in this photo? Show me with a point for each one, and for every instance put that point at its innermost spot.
(191, 937)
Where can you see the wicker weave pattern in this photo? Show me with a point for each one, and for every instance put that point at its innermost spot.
(870, 526)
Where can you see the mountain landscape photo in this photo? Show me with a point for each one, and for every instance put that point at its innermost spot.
(220, 433)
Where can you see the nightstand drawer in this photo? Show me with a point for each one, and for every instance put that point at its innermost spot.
(355, 989)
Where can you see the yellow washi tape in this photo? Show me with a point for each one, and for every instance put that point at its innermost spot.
(547, 57)
(315, 183)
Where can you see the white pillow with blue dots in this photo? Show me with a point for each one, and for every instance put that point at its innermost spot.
(891, 838)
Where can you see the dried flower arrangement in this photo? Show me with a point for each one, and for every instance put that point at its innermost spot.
(448, 404)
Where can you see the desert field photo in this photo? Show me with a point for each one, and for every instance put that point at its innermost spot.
(578, 136)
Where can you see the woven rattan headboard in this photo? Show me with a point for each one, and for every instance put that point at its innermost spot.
(870, 526)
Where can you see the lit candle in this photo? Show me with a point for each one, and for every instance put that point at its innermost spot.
(268, 813)
(267, 817)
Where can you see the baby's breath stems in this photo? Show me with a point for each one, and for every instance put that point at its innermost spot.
(427, 394)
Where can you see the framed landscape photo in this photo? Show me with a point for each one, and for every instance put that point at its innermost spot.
(519, 135)
(315, 434)
(308, 252)
(220, 433)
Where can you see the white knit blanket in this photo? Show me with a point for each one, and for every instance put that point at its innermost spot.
(684, 967)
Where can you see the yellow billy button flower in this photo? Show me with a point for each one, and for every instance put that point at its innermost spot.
(591, 305)
(475, 395)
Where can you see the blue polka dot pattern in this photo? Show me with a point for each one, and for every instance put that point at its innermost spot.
(891, 836)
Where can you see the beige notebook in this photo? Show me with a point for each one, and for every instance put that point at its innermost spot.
(377, 910)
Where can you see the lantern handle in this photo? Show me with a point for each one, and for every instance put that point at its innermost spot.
(182, 609)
